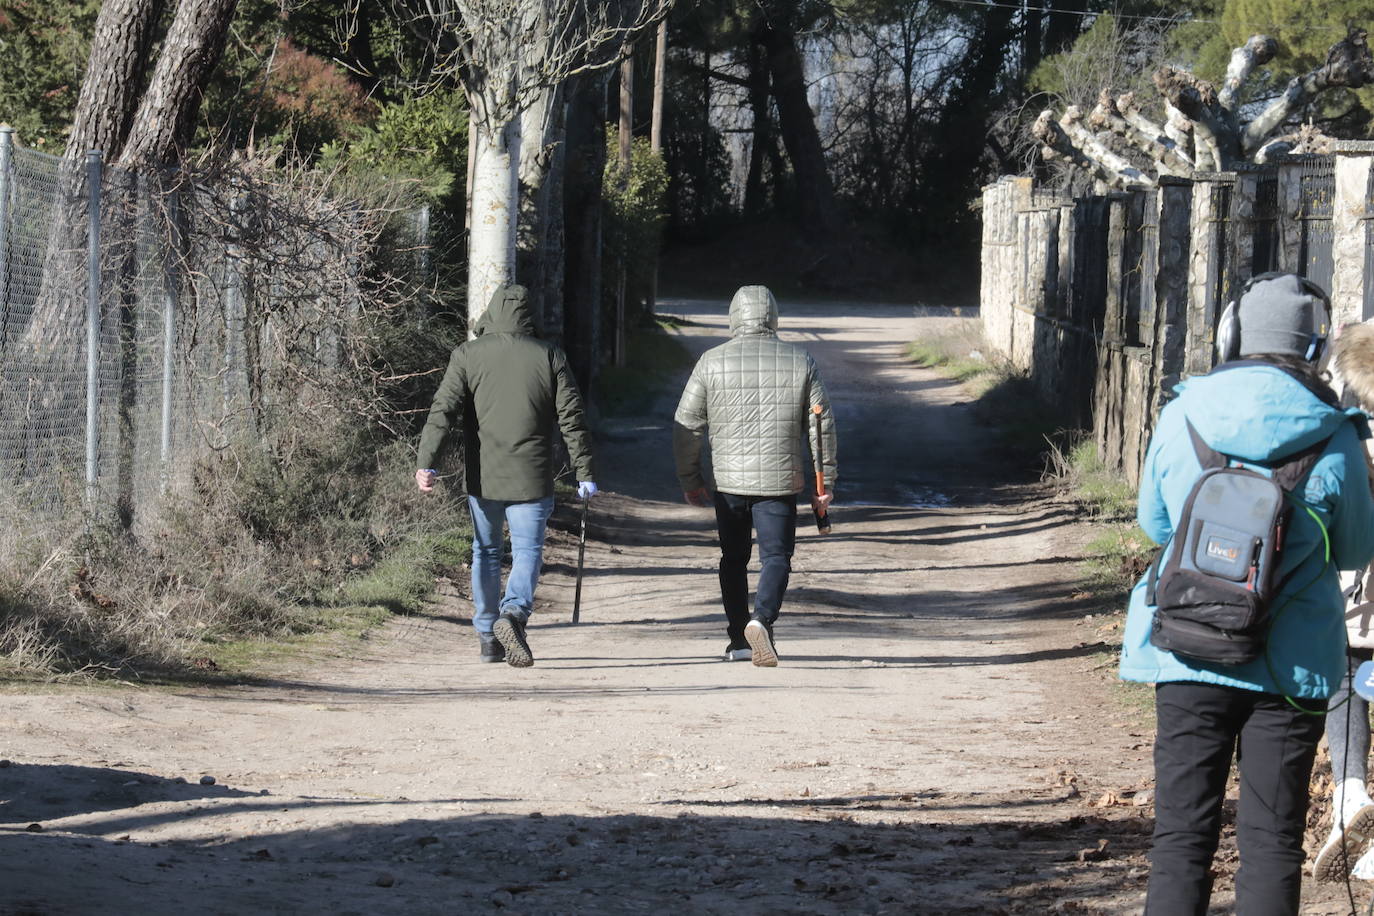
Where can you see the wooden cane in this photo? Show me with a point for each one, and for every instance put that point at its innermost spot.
(581, 555)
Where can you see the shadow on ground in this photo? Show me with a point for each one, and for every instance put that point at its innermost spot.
(1029, 854)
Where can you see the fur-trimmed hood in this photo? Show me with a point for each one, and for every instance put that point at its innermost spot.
(1352, 361)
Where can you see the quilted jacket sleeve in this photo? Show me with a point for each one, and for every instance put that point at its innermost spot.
(689, 429)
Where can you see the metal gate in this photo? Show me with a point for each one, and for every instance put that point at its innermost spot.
(1317, 193)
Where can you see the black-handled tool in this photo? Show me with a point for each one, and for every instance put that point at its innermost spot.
(822, 516)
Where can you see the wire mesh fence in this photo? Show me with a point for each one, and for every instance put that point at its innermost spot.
(148, 320)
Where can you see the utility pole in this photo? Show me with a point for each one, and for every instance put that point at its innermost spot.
(656, 131)
(627, 98)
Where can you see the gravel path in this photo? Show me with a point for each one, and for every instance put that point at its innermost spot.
(939, 738)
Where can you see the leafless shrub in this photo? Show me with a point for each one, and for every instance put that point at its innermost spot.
(300, 338)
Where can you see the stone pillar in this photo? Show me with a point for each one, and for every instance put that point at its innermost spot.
(1172, 285)
(1290, 216)
(1353, 266)
(1209, 230)
(1064, 285)
(1112, 322)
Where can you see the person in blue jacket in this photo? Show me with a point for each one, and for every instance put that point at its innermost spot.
(1268, 713)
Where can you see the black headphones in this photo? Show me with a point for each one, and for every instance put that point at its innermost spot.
(1228, 328)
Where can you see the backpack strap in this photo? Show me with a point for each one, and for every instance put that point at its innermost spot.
(1295, 468)
(1153, 579)
(1207, 456)
(1288, 472)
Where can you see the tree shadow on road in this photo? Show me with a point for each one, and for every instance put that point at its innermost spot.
(918, 852)
(36, 793)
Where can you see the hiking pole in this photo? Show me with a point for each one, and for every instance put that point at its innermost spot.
(822, 516)
(581, 554)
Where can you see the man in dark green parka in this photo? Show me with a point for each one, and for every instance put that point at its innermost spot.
(509, 389)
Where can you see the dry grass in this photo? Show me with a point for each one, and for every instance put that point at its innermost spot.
(1072, 461)
(254, 549)
(958, 351)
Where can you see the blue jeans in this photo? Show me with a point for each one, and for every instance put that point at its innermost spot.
(527, 522)
(738, 518)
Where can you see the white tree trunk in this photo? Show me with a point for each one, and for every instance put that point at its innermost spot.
(495, 205)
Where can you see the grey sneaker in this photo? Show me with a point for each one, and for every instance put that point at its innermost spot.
(492, 651)
(510, 631)
(761, 642)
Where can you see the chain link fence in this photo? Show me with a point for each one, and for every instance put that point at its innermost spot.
(149, 320)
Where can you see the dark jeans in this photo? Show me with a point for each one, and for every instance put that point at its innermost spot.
(1199, 727)
(775, 520)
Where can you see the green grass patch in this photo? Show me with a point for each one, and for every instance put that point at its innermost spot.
(1005, 400)
(1117, 558)
(334, 629)
(654, 357)
(939, 353)
(403, 580)
(1075, 462)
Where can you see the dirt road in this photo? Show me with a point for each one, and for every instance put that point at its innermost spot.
(934, 740)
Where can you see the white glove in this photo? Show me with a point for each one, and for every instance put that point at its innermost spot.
(585, 489)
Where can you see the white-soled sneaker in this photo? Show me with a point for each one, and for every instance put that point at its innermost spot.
(735, 653)
(1364, 869)
(1338, 854)
(761, 641)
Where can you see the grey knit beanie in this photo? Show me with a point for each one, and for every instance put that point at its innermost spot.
(1280, 315)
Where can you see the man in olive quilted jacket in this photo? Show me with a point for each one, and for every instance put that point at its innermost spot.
(755, 395)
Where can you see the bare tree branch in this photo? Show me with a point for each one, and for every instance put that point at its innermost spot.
(1348, 64)
(1127, 122)
(1256, 52)
(1197, 99)
(1203, 130)
(1069, 139)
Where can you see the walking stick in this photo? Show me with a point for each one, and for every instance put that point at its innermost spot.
(822, 516)
(581, 553)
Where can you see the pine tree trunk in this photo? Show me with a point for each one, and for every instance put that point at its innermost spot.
(797, 123)
(124, 34)
(586, 160)
(539, 248)
(626, 137)
(167, 115)
(760, 104)
(660, 81)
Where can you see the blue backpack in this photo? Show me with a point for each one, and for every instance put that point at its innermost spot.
(1213, 596)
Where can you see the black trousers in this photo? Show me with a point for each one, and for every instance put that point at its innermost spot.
(737, 518)
(1199, 728)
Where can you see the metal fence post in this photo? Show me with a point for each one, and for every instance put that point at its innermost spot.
(6, 178)
(233, 305)
(171, 290)
(422, 247)
(93, 176)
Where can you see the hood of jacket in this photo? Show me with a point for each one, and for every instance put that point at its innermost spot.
(753, 311)
(508, 312)
(1257, 413)
(1353, 361)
